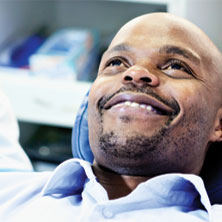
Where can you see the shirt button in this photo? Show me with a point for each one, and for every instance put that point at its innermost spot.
(107, 213)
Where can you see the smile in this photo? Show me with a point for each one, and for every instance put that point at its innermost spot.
(148, 108)
(139, 101)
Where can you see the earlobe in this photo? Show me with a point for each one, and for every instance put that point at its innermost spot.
(217, 130)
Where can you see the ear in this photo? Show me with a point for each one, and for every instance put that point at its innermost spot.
(216, 135)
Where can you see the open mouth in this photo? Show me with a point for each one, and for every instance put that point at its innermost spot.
(139, 101)
(148, 108)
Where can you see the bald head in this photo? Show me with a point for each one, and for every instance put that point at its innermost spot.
(169, 24)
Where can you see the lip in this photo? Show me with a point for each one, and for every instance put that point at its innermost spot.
(141, 99)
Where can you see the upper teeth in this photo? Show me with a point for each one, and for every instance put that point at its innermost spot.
(134, 104)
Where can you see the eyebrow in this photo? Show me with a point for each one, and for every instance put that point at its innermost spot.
(121, 47)
(176, 50)
(167, 49)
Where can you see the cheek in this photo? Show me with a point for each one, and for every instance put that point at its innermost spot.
(189, 94)
(195, 103)
(102, 86)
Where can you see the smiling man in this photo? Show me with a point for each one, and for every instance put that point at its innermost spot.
(154, 111)
(155, 106)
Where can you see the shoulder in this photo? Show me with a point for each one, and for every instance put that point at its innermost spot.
(17, 189)
(21, 184)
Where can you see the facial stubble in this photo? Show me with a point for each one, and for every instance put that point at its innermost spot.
(163, 152)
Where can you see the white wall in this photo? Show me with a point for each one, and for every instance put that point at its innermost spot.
(106, 16)
(207, 14)
(23, 17)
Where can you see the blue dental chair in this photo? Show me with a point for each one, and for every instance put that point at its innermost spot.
(211, 172)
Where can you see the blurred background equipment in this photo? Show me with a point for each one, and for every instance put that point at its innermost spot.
(46, 145)
(17, 50)
(70, 54)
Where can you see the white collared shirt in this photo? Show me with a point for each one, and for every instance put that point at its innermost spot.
(72, 193)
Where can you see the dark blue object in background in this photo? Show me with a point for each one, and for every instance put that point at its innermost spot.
(20, 55)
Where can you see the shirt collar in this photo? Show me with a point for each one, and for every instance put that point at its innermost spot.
(70, 177)
(180, 189)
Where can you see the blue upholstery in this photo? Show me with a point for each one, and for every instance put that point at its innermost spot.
(211, 173)
(80, 139)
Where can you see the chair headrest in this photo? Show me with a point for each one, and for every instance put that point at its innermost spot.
(80, 136)
(211, 172)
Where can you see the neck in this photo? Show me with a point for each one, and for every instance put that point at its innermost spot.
(117, 185)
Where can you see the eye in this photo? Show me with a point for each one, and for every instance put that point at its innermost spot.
(175, 64)
(117, 61)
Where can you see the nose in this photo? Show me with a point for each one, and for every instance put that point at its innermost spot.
(140, 76)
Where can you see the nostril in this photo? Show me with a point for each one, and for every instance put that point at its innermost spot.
(146, 79)
(128, 78)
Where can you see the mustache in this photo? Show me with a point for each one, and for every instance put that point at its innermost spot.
(142, 89)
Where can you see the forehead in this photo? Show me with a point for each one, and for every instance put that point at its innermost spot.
(149, 33)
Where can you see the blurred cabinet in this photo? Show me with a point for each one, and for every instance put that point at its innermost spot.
(41, 100)
(55, 102)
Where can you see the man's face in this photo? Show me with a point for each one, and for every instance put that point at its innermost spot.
(152, 107)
